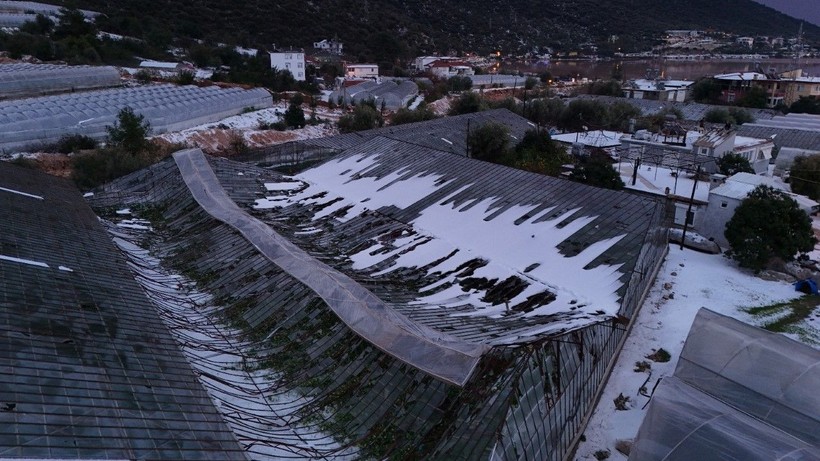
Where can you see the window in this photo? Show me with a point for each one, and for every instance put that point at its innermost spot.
(287, 65)
(288, 56)
(704, 151)
(299, 65)
(724, 204)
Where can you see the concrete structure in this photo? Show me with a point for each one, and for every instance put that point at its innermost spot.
(657, 90)
(713, 144)
(725, 196)
(363, 71)
(333, 46)
(290, 60)
(449, 68)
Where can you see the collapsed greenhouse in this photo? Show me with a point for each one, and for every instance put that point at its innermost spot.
(395, 301)
(32, 121)
(738, 392)
(19, 80)
(87, 368)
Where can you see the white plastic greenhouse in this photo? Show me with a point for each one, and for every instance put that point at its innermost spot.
(23, 79)
(33, 121)
(739, 392)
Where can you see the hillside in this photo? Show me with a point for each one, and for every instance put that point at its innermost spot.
(396, 29)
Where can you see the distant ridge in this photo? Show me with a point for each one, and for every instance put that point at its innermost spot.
(398, 29)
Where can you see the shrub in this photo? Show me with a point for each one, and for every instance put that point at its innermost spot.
(488, 142)
(185, 77)
(92, 169)
(421, 114)
(129, 132)
(468, 103)
(730, 164)
(805, 176)
(75, 143)
(364, 117)
(768, 224)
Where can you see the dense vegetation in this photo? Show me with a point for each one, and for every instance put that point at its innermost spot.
(768, 224)
(392, 31)
(805, 176)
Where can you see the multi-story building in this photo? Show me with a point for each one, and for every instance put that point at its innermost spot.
(291, 60)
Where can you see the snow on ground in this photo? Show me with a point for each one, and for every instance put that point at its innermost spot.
(688, 280)
(656, 180)
(217, 136)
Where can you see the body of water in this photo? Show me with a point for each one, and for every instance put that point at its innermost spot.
(680, 70)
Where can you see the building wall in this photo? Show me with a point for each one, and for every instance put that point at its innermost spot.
(362, 71)
(293, 61)
(713, 223)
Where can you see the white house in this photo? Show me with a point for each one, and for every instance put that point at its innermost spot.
(290, 60)
(726, 195)
(362, 71)
(446, 68)
(422, 62)
(333, 46)
(657, 90)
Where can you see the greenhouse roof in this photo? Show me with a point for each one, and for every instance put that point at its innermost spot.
(166, 107)
(87, 368)
(446, 134)
(19, 80)
(739, 392)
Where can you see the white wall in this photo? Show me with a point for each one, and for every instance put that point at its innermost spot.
(293, 61)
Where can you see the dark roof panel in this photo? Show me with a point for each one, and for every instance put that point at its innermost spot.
(87, 368)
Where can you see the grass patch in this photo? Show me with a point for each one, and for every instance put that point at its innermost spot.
(789, 315)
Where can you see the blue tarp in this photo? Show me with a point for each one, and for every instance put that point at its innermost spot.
(806, 286)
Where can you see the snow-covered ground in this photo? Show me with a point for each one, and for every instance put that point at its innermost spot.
(687, 281)
(212, 137)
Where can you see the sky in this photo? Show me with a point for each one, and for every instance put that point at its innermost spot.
(808, 10)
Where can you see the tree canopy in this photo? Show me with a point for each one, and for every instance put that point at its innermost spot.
(804, 176)
(768, 224)
(129, 132)
(730, 164)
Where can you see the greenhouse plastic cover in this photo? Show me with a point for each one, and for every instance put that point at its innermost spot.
(739, 389)
(444, 356)
(166, 107)
(25, 79)
(683, 423)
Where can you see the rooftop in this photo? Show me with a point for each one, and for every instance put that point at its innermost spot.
(88, 369)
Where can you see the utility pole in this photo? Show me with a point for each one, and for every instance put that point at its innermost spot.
(689, 209)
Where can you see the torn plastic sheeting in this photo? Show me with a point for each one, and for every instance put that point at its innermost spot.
(431, 351)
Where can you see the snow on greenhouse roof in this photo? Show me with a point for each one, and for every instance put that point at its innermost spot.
(167, 108)
(440, 355)
(25, 80)
(559, 238)
(87, 368)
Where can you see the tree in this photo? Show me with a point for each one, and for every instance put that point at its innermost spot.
(538, 153)
(806, 105)
(706, 91)
(596, 170)
(755, 97)
(544, 112)
(804, 176)
(468, 103)
(489, 142)
(768, 224)
(129, 132)
(364, 117)
(581, 113)
(459, 83)
(295, 116)
(405, 115)
(730, 164)
(605, 88)
(73, 24)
